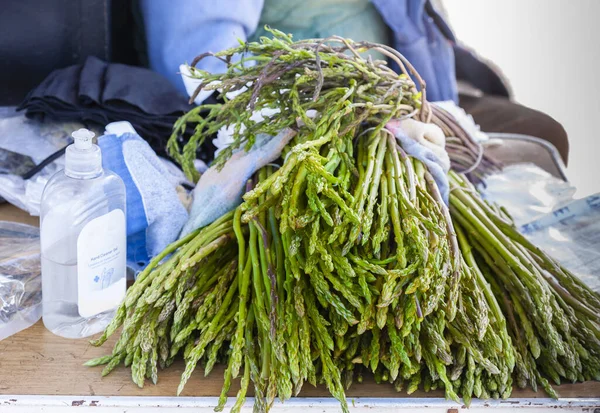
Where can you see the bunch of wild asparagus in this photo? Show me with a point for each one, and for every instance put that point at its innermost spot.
(344, 260)
(554, 317)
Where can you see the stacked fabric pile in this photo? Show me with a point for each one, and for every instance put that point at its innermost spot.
(99, 93)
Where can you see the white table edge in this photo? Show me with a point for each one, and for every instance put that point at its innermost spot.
(51, 404)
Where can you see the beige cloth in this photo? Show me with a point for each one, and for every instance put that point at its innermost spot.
(428, 135)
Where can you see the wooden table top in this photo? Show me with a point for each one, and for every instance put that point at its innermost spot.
(9, 212)
(37, 362)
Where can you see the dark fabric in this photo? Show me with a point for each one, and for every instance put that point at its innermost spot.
(99, 93)
(472, 70)
(439, 21)
(467, 66)
(37, 37)
(127, 38)
(497, 114)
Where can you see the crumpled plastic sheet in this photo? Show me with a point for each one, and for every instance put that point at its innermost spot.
(526, 191)
(545, 211)
(36, 140)
(20, 278)
(571, 234)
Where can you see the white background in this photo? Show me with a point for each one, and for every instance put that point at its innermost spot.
(550, 52)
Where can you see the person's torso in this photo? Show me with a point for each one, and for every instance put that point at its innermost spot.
(310, 19)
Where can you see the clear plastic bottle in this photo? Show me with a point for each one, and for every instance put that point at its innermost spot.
(83, 243)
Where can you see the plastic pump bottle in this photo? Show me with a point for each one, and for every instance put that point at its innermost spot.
(83, 242)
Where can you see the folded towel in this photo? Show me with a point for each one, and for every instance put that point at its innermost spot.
(220, 191)
(155, 214)
(97, 92)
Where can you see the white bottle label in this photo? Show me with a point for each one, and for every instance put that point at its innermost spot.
(101, 255)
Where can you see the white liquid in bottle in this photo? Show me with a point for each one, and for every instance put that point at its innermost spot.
(83, 237)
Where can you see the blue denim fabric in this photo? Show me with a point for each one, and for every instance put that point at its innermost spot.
(177, 31)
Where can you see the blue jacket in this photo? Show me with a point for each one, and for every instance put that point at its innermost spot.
(177, 31)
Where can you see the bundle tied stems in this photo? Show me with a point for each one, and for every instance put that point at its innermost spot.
(342, 259)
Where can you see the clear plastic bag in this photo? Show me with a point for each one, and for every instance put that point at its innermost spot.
(20, 277)
(527, 191)
(571, 234)
(543, 208)
(36, 140)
